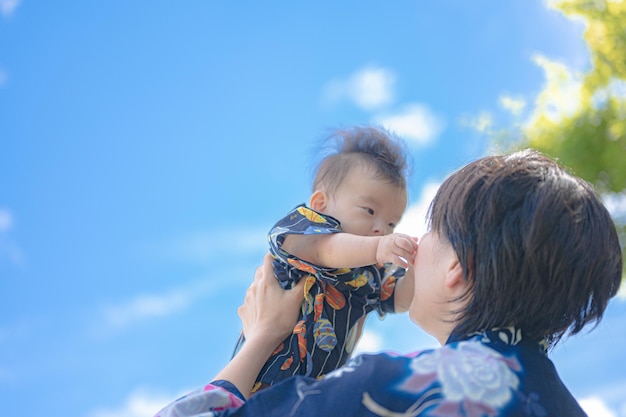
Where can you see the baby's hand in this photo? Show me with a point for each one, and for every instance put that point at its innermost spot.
(397, 248)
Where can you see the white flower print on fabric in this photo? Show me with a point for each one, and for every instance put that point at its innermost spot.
(471, 376)
(508, 335)
(348, 367)
(338, 372)
(195, 403)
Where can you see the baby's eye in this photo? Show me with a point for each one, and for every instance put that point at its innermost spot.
(369, 211)
(392, 226)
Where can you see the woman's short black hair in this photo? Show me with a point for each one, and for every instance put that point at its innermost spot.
(538, 248)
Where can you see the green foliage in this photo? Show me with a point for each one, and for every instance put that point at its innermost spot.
(592, 141)
(605, 36)
(591, 138)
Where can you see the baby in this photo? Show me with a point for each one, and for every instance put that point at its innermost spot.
(342, 244)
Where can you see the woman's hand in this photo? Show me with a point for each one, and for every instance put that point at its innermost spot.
(269, 313)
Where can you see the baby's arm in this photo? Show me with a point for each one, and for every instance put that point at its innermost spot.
(403, 293)
(345, 250)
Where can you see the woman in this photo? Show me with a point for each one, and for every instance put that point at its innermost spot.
(519, 254)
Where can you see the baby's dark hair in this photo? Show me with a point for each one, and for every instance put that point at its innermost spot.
(538, 248)
(371, 145)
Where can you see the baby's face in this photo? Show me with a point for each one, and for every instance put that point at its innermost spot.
(365, 205)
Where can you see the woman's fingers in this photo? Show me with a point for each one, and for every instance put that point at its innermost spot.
(269, 310)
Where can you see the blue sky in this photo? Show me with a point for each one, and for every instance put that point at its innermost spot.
(147, 147)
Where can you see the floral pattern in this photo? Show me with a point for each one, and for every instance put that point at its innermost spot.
(491, 374)
(471, 375)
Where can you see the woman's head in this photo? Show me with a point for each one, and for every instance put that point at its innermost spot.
(537, 247)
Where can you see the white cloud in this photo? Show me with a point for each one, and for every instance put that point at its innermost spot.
(6, 220)
(616, 204)
(595, 407)
(413, 222)
(415, 122)
(562, 94)
(370, 342)
(621, 294)
(514, 105)
(616, 89)
(205, 247)
(8, 249)
(139, 403)
(481, 123)
(7, 7)
(369, 88)
(147, 306)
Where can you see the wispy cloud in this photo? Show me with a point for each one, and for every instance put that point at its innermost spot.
(140, 403)
(6, 220)
(369, 88)
(560, 97)
(370, 342)
(415, 122)
(616, 204)
(413, 222)
(147, 306)
(482, 122)
(512, 104)
(9, 250)
(596, 407)
(621, 294)
(7, 7)
(562, 94)
(616, 89)
(204, 247)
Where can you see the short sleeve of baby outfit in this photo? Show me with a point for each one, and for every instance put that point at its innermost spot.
(300, 221)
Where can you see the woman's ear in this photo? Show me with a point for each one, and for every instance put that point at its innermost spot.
(455, 280)
(318, 201)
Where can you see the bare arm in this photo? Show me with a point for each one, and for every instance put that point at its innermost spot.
(269, 315)
(345, 250)
(403, 293)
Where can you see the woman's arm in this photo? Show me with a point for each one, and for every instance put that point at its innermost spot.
(269, 315)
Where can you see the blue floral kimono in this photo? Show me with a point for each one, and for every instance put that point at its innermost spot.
(335, 305)
(496, 373)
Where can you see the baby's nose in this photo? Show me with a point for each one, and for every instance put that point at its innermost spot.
(381, 228)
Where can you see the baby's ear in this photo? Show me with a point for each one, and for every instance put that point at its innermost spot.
(318, 200)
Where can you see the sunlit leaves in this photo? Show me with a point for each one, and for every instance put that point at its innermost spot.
(580, 118)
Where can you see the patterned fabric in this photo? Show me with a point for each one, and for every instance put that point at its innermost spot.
(336, 302)
(492, 374)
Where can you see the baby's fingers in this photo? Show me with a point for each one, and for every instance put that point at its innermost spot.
(406, 243)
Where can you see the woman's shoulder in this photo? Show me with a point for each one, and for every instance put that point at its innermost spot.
(468, 377)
